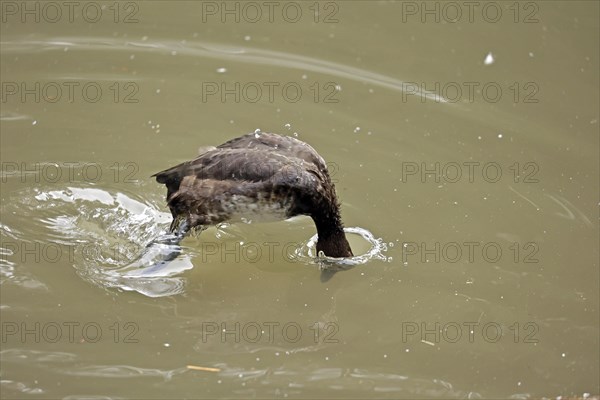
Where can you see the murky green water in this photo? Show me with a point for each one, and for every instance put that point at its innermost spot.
(469, 147)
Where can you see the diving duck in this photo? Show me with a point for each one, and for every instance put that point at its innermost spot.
(256, 174)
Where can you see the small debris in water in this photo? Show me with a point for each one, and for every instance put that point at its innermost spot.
(198, 368)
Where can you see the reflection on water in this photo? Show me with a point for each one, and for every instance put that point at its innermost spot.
(356, 381)
(222, 52)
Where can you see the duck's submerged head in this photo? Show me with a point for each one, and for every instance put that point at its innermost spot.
(334, 245)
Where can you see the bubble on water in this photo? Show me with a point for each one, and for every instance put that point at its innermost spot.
(288, 125)
(357, 129)
(247, 38)
(34, 122)
(489, 59)
(221, 70)
(174, 53)
(499, 136)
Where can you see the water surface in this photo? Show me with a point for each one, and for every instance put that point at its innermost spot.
(484, 202)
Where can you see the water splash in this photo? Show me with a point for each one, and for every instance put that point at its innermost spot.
(330, 265)
(118, 241)
(110, 235)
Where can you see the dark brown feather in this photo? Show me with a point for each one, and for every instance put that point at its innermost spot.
(263, 168)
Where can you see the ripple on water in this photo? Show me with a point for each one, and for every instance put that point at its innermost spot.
(110, 234)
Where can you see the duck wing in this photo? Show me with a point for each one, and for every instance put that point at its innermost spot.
(275, 143)
(252, 159)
